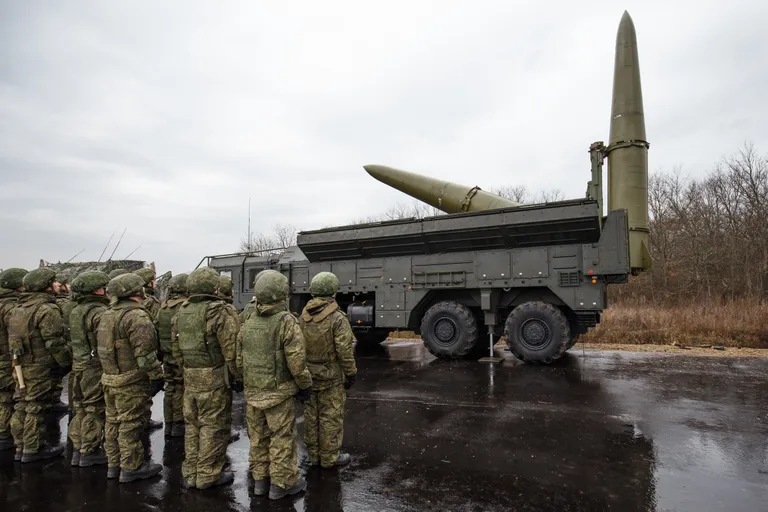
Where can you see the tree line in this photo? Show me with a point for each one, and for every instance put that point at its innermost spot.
(708, 234)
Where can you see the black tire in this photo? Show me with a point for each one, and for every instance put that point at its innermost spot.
(537, 332)
(574, 339)
(371, 337)
(449, 330)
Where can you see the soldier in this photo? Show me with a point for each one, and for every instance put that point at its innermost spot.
(271, 356)
(132, 375)
(224, 291)
(11, 286)
(152, 305)
(331, 361)
(207, 341)
(117, 272)
(86, 391)
(250, 308)
(173, 401)
(36, 338)
(66, 305)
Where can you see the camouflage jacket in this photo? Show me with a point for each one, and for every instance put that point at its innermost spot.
(217, 368)
(127, 339)
(248, 310)
(165, 315)
(151, 304)
(8, 300)
(36, 331)
(86, 316)
(66, 305)
(291, 344)
(328, 338)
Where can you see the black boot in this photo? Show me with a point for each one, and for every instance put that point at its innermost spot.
(113, 472)
(59, 407)
(47, 452)
(6, 444)
(343, 460)
(261, 487)
(146, 470)
(96, 458)
(153, 425)
(276, 492)
(225, 478)
(178, 429)
(75, 458)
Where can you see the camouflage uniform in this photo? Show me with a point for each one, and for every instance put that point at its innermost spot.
(87, 394)
(331, 361)
(126, 343)
(173, 401)
(271, 356)
(36, 337)
(207, 340)
(10, 282)
(152, 305)
(66, 304)
(250, 308)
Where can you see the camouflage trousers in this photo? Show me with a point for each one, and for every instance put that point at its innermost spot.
(28, 420)
(273, 443)
(87, 402)
(173, 401)
(208, 424)
(324, 424)
(125, 409)
(7, 386)
(57, 387)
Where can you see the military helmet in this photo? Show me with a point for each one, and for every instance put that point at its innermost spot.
(178, 283)
(39, 279)
(271, 287)
(64, 277)
(12, 278)
(324, 284)
(203, 280)
(125, 285)
(225, 286)
(147, 274)
(90, 281)
(256, 278)
(117, 272)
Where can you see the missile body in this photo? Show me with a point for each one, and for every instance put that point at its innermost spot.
(627, 148)
(443, 195)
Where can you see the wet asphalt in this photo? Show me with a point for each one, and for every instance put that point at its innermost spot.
(596, 431)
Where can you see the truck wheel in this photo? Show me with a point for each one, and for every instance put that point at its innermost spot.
(372, 337)
(537, 332)
(449, 330)
(572, 341)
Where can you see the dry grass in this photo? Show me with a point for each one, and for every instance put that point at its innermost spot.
(738, 324)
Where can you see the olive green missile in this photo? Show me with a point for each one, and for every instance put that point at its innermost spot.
(627, 149)
(443, 195)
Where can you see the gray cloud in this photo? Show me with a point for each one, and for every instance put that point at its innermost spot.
(164, 118)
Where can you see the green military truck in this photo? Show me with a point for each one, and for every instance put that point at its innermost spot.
(537, 274)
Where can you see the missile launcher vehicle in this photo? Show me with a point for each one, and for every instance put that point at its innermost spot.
(536, 274)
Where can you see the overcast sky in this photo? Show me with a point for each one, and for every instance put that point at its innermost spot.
(165, 117)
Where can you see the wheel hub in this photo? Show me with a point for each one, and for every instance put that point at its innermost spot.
(446, 331)
(534, 333)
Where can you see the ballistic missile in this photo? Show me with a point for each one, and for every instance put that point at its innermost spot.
(627, 149)
(443, 195)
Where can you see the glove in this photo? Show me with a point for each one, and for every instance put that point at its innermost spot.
(303, 395)
(237, 386)
(351, 379)
(156, 386)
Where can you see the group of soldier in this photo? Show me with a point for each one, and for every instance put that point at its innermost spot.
(120, 346)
